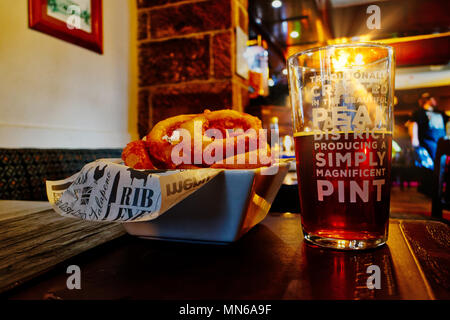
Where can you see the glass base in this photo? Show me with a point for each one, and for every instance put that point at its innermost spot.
(344, 244)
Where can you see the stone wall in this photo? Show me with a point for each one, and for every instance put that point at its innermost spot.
(187, 58)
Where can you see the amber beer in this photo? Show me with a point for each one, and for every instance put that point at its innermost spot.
(342, 111)
(344, 185)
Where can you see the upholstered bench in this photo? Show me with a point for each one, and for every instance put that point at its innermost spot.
(23, 172)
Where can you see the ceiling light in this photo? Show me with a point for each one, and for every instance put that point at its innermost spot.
(359, 59)
(364, 38)
(276, 3)
(284, 71)
(271, 83)
(294, 34)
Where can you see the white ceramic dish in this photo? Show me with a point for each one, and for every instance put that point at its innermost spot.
(220, 212)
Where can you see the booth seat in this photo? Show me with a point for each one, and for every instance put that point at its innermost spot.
(23, 172)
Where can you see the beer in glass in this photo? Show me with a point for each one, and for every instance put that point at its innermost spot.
(341, 98)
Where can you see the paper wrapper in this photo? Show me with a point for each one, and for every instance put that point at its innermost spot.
(107, 190)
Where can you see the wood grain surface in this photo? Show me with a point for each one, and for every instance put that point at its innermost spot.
(34, 239)
(272, 261)
(430, 244)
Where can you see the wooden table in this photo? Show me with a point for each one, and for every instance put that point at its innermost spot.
(34, 239)
(271, 262)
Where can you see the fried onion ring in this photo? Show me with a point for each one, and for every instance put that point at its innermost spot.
(218, 133)
(236, 162)
(160, 144)
(231, 119)
(135, 155)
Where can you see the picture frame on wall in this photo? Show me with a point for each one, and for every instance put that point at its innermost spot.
(76, 21)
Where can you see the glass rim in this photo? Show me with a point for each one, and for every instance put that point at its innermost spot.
(341, 45)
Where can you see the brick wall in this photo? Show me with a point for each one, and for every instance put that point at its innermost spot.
(187, 58)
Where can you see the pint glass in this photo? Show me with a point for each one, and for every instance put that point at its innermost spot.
(341, 98)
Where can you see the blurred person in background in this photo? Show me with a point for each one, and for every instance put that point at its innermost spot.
(425, 127)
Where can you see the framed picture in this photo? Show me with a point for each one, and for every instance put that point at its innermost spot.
(76, 21)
